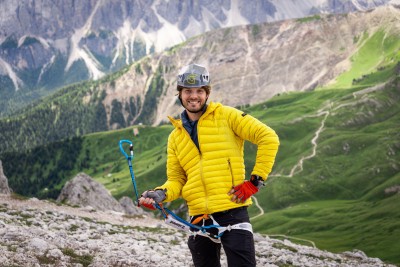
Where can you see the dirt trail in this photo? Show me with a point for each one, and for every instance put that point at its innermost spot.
(299, 165)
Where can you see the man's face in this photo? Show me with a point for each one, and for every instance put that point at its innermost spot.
(193, 99)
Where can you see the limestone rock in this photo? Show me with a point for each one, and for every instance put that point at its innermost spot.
(83, 191)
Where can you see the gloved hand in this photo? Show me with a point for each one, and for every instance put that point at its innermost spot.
(245, 190)
(149, 197)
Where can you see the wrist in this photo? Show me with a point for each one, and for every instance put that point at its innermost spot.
(257, 181)
(162, 193)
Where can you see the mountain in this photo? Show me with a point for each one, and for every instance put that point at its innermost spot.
(250, 64)
(45, 44)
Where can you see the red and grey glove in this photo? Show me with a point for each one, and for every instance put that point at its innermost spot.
(149, 197)
(242, 192)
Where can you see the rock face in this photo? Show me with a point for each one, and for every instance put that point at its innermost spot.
(4, 189)
(39, 233)
(82, 190)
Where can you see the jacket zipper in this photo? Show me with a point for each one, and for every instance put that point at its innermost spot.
(230, 169)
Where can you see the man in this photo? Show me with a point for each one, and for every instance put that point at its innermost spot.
(205, 166)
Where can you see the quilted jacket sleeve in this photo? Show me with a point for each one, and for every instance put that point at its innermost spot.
(175, 173)
(249, 128)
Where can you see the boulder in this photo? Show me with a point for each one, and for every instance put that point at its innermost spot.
(83, 191)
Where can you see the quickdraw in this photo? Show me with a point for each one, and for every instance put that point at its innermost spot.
(174, 220)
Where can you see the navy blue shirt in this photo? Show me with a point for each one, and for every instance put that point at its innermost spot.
(191, 126)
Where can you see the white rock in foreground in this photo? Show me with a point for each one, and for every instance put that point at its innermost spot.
(40, 233)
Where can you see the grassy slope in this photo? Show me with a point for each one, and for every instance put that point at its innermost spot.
(148, 162)
(377, 51)
(338, 200)
(104, 161)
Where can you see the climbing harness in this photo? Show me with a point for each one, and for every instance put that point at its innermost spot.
(221, 229)
(177, 222)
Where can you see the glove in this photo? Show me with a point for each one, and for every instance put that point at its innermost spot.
(245, 190)
(149, 197)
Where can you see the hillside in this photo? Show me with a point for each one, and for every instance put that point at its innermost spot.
(251, 64)
(336, 183)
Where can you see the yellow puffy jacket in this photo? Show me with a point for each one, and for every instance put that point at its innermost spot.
(204, 177)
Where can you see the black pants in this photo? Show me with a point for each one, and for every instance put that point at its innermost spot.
(238, 244)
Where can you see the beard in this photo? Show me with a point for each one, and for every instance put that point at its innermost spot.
(194, 108)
